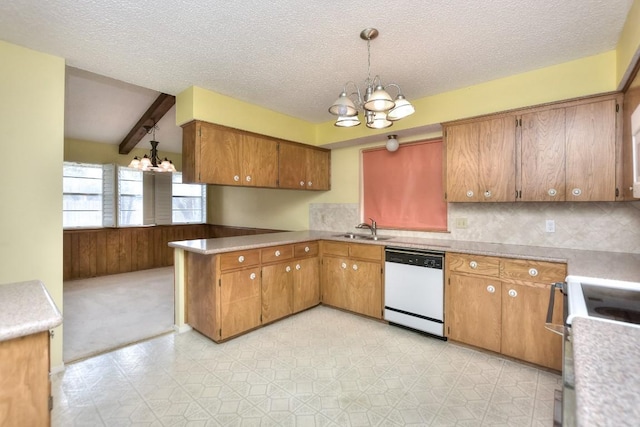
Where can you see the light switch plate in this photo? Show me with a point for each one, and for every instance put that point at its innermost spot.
(461, 222)
(550, 226)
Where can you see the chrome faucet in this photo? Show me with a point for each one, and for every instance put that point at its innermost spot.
(372, 227)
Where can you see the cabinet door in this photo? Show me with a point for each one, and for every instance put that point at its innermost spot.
(306, 284)
(543, 156)
(591, 148)
(334, 281)
(364, 288)
(292, 165)
(474, 311)
(259, 162)
(220, 156)
(318, 169)
(277, 291)
(462, 162)
(497, 160)
(240, 306)
(524, 310)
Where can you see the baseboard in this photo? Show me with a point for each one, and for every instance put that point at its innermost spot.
(182, 329)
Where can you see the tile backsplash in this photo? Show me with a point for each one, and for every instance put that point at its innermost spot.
(606, 226)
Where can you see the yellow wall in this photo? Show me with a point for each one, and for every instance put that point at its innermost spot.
(31, 141)
(76, 150)
(628, 48)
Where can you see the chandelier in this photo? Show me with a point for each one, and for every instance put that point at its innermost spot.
(152, 162)
(379, 109)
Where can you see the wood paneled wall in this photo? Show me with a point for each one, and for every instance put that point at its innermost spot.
(100, 252)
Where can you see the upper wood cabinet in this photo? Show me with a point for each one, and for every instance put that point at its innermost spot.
(215, 154)
(481, 162)
(303, 168)
(565, 151)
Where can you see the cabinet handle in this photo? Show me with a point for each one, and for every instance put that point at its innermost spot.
(576, 191)
(307, 248)
(241, 258)
(533, 272)
(552, 192)
(487, 194)
(513, 293)
(309, 184)
(301, 183)
(491, 289)
(236, 178)
(469, 193)
(343, 265)
(277, 253)
(298, 267)
(473, 265)
(252, 276)
(248, 178)
(288, 269)
(355, 267)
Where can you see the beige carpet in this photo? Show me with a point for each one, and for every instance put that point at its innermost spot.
(104, 313)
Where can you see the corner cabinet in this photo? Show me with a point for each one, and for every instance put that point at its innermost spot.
(565, 151)
(500, 304)
(352, 276)
(215, 154)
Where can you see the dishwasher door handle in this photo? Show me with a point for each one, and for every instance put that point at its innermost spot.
(549, 325)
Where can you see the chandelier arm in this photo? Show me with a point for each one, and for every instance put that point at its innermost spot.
(356, 92)
(395, 86)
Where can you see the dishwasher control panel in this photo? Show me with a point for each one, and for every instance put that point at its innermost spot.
(416, 258)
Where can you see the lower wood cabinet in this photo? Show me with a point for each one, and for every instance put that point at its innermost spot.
(240, 306)
(306, 284)
(500, 304)
(352, 277)
(24, 381)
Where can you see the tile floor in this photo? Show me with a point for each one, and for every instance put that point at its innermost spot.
(322, 367)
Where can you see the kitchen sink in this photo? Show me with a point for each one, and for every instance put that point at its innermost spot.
(362, 236)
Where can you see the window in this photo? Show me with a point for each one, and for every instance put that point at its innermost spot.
(109, 196)
(189, 201)
(404, 189)
(82, 195)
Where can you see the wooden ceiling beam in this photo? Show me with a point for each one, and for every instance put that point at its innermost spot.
(152, 116)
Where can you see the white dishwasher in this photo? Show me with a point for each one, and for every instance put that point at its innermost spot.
(414, 289)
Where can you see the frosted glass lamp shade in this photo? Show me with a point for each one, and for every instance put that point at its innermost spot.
(347, 121)
(379, 100)
(379, 121)
(343, 106)
(392, 143)
(402, 109)
(135, 163)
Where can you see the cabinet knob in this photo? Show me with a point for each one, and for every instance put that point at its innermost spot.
(576, 191)
(309, 184)
(533, 272)
(487, 194)
(469, 193)
(252, 276)
(288, 269)
(491, 289)
(301, 183)
(343, 265)
(241, 258)
(236, 178)
(552, 192)
(473, 265)
(277, 253)
(298, 266)
(248, 178)
(307, 248)
(355, 267)
(513, 293)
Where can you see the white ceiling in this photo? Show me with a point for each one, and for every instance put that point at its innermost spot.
(292, 56)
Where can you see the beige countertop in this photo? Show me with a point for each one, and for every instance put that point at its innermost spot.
(26, 308)
(607, 370)
(604, 265)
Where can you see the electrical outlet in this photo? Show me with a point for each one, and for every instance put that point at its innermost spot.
(461, 222)
(550, 226)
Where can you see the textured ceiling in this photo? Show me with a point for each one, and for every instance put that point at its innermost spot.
(293, 57)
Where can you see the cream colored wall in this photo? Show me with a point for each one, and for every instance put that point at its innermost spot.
(32, 129)
(628, 47)
(98, 153)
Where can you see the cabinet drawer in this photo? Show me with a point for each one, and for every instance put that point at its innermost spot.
(335, 248)
(533, 271)
(238, 259)
(305, 249)
(373, 252)
(474, 264)
(277, 253)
